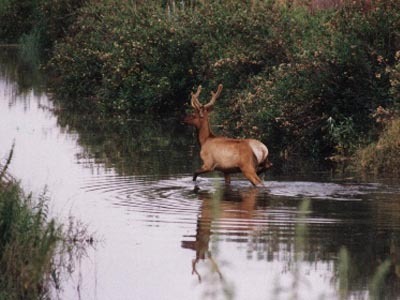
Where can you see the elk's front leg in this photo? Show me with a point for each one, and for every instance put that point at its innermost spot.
(227, 178)
(202, 170)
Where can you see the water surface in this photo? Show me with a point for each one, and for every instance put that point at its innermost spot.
(160, 236)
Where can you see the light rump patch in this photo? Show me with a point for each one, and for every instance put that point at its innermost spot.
(259, 149)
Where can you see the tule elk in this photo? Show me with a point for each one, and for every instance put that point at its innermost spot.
(224, 154)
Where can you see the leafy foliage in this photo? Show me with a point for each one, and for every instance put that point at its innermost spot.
(43, 21)
(126, 59)
(382, 157)
(27, 244)
(35, 251)
(305, 81)
(337, 72)
(16, 18)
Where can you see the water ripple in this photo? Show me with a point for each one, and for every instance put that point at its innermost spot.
(170, 199)
(240, 207)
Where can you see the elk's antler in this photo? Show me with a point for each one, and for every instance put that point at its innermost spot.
(195, 99)
(214, 97)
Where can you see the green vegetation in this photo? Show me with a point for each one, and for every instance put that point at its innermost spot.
(377, 287)
(34, 250)
(289, 75)
(40, 22)
(17, 18)
(304, 81)
(123, 59)
(28, 243)
(382, 156)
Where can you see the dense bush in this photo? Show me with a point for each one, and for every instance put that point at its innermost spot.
(382, 157)
(35, 251)
(54, 19)
(307, 82)
(304, 81)
(337, 72)
(129, 59)
(111, 63)
(38, 21)
(16, 18)
(27, 246)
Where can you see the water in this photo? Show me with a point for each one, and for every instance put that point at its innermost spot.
(160, 236)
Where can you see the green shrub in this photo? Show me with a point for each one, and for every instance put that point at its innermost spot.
(382, 157)
(54, 19)
(35, 251)
(320, 100)
(27, 245)
(36, 22)
(308, 81)
(126, 60)
(16, 18)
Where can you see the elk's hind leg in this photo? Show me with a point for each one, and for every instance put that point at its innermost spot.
(250, 174)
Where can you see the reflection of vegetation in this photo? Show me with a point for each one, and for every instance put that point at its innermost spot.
(378, 286)
(301, 231)
(34, 250)
(139, 146)
(299, 241)
(22, 73)
(343, 268)
(301, 238)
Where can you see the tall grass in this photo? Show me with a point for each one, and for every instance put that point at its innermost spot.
(343, 269)
(382, 157)
(3, 169)
(216, 284)
(34, 249)
(28, 243)
(377, 285)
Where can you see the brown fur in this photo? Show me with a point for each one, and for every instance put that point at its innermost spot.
(224, 154)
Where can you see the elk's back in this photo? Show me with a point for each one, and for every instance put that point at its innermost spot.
(229, 154)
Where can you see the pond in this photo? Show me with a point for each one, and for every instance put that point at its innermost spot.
(161, 236)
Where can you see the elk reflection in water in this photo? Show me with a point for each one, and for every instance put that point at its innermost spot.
(234, 208)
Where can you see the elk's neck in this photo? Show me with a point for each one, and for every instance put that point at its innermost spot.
(204, 133)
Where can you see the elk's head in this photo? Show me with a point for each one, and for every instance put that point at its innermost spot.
(200, 115)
